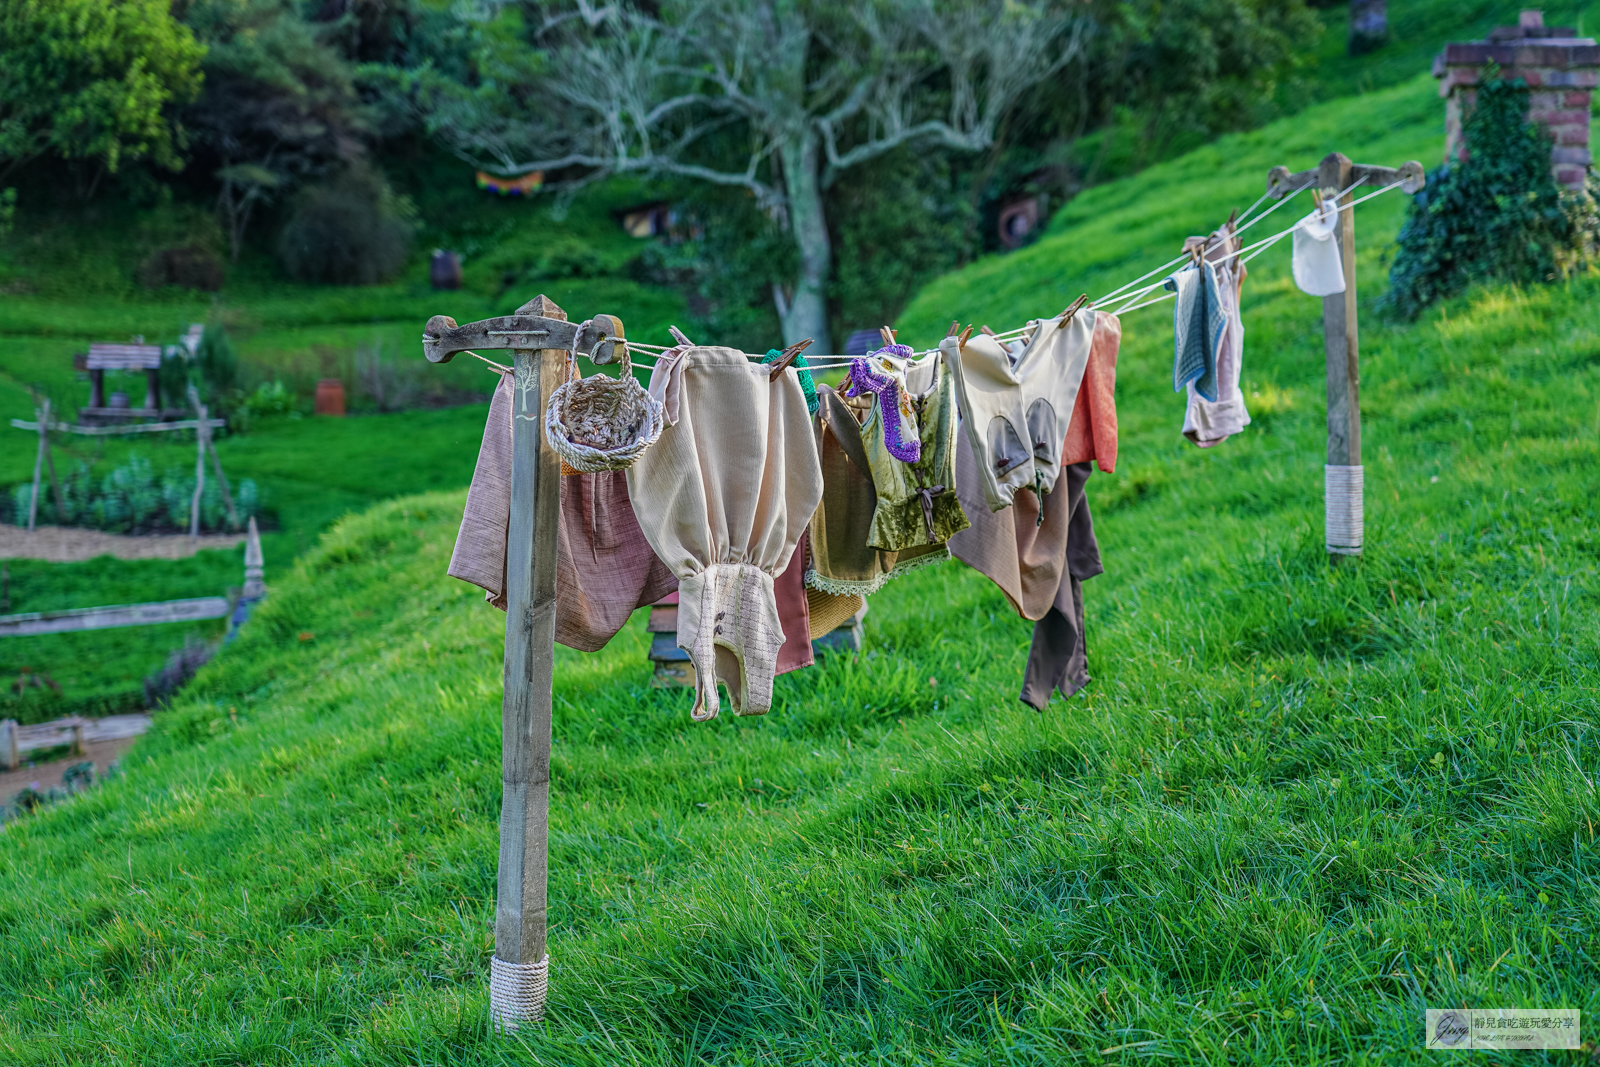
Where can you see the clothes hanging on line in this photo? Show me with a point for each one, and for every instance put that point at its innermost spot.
(723, 497)
(916, 499)
(1039, 552)
(1015, 405)
(1210, 420)
(605, 567)
(802, 372)
(1318, 270)
(844, 562)
(1197, 325)
(1092, 431)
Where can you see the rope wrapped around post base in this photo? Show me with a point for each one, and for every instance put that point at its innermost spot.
(1343, 518)
(516, 992)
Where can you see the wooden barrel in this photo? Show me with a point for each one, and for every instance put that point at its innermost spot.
(330, 397)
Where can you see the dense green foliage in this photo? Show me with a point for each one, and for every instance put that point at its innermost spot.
(1499, 214)
(349, 231)
(93, 80)
(1296, 805)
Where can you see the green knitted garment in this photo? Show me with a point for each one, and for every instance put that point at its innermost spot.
(807, 386)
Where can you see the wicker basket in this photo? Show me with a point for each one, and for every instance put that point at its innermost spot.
(600, 423)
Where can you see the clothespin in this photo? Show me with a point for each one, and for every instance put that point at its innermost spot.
(1232, 218)
(955, 328)
(677, 335)
(1072, 309)
(887, 335)
(986, 330)
(962, 340)
(788, 357)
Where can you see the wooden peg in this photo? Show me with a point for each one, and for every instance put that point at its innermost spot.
(887, 334)
(955, 328)
(789, 355)
(964, 335)
(986, 330)
(677, 335)
(1072, 309)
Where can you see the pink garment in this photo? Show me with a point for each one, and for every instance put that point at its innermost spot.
(795, 612)
(1092, 431)
(604, 566)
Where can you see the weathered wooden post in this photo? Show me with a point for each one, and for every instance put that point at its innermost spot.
(1343, 476)
(205, 446)
(539, 338)
(10, 751)
(42, 415)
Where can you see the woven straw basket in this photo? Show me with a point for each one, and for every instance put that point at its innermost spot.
(600, 423)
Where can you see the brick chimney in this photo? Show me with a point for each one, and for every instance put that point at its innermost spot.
(1561, 70)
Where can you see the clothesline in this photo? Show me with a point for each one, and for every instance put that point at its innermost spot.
(1131, 298)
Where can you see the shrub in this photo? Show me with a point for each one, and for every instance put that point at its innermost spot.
(217, 360)
(351, 231)
(191, 267)
(1498, 215)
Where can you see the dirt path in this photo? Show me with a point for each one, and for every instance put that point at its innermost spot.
(48, 775)
(68, 544)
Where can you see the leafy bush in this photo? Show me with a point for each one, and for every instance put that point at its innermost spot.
(353, 230)
(1499, 215)
(131, 499)
(269, 399)
(217, 360)
(189, 267)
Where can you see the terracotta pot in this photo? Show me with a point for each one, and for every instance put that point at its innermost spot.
(330, 397)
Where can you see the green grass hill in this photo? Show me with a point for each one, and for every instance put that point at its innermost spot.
(1297, 805)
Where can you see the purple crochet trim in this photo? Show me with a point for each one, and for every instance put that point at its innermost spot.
(863, 380)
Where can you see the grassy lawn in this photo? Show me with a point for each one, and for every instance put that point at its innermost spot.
(1297, 805)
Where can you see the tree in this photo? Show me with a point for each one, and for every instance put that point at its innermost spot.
(777, 97)
(279, 105)
(94, 80)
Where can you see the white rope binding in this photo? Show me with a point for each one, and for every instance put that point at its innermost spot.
(1342, 488)
(516, 992)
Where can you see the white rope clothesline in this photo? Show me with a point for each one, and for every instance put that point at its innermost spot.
(1256, 249)
(1131, 299)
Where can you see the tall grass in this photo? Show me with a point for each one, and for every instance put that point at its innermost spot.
(1297, 805)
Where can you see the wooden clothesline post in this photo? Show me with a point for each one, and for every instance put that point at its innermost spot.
(1343, 474)
(519, 970)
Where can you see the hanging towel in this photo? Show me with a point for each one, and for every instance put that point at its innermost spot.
(1197, 327)
(917, 503)
(723, 497)
(1092, 432)
(604, 566)
(1318, 270)
(1038, 557)
(1208, 421)
(1016, 408)
(843, 562)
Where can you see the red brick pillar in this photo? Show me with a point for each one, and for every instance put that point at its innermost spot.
(1561, 71)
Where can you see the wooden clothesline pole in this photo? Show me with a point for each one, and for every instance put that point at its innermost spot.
(539, 337)
(1343, 475)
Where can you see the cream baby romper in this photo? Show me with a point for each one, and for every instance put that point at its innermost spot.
(723, 497)
(1015, 416)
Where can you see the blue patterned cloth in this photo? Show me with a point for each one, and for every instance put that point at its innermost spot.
(1198, 323)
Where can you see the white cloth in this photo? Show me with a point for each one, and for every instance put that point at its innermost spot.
(1317, 268)
(1015, 414)
(723, 497)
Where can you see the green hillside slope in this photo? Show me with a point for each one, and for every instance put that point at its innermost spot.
(1297, 805)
